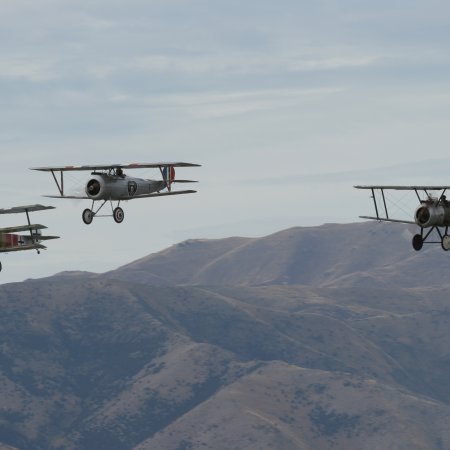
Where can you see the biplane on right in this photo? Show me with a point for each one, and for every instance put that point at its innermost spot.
(432, 213)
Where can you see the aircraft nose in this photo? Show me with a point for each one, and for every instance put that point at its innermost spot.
(423, 215)
(93, 187)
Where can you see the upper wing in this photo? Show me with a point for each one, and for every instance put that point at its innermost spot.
(22, 228)
(405, 188)
(23, 209)
(115, 166)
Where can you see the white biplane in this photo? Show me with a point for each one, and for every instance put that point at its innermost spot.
(432, 213)
(11, 242)
(108, 183)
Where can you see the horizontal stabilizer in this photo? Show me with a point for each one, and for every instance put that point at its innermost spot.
(184, 181)
(46, 238)
(381, 219)
(163, 194)
(22, 228)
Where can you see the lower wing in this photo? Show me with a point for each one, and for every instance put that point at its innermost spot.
(155, 194)
(76, 197)
(19, 248)
(381, 219)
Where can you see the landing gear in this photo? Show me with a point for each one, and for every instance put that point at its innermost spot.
(88, 216)
(118, 215)
(417, 242)
(431, 238)
(445, 242)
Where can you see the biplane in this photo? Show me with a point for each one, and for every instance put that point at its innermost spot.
(108, 183)
(432, 213)
(12, 242)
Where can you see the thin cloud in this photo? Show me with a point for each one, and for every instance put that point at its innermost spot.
(221, 104)
(232, 63)
(431, 171)
(26, 68)
(333, 63)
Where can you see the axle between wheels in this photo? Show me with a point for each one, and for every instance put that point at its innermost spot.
(88, 215)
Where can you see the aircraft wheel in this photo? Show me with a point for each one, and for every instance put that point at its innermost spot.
(88, 216)
(445, 243)
(417, 242)
(118, 215)
(1, 267)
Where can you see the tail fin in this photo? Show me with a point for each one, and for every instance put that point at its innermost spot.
(168, 174)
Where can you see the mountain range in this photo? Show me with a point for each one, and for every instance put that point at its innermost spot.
(331, 337)
(366, 254)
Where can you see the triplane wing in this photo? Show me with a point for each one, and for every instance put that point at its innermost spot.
(432, 214)
(19, 248)
(109, 183)
(31, 227)
(11, 242)
(25, 209)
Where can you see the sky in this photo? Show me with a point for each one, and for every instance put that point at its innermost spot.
(286, 105)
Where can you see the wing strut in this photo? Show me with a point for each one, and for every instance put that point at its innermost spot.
(60, 185)
(31, 231)
(384, 201)
(418, 196)
(376, 204)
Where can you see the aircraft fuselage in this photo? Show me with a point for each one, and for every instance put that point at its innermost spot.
(11, 240)
(115, 187)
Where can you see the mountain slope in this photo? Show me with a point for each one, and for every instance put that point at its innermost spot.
(90, 363)
(294, 408)
(367, 254)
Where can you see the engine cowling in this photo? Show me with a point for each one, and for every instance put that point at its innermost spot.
(430, 215)
(97, 188)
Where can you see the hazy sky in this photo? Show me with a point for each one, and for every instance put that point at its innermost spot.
(285, 104)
